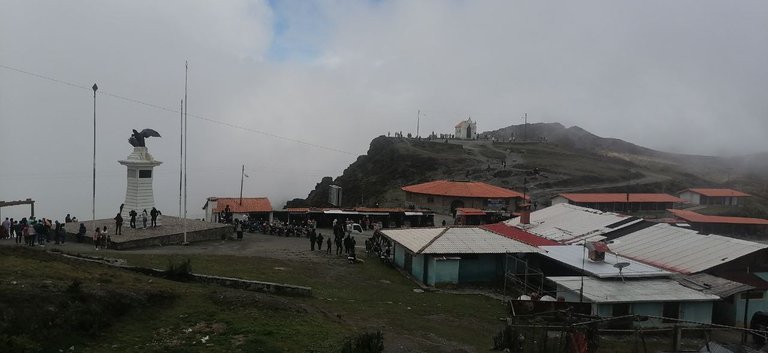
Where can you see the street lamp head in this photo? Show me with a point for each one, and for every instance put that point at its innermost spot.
(95, 88)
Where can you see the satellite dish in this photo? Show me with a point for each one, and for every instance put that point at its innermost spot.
(621, 266)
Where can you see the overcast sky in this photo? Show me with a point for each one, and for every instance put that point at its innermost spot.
(681, 76)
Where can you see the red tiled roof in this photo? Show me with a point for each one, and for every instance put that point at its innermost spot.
(250, 204)
(297, 209)
(518, 234)
(461, 189)
(621, 198)
(695, 217)
(467, 211)
(718, 192)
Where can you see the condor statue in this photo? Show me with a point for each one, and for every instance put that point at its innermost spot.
(137, 138)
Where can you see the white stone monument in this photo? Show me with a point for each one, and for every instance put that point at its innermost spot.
(139, 195)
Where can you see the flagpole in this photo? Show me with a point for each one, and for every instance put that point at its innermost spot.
(186, 74)
(242, 173)
(181, 152)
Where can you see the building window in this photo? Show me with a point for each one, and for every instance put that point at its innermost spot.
(671, 311)
(145, 173)
(131, 173)
(430, 199)
(621, 309)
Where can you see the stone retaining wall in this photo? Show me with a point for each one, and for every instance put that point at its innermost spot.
(167, 239)
(229, 282)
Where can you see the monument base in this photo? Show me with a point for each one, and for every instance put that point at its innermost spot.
(170, 233)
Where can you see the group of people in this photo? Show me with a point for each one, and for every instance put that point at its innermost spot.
(342, 237)
(33, 231)
(152, 215)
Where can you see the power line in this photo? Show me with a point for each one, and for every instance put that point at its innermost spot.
(171, 110)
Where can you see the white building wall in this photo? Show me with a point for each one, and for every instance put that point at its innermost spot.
(462, 127)
(690, 197)
(559, 199)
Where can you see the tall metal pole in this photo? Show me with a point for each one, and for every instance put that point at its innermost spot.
(242, 173)
(583, 262)
(93, 199)
(181, 150)
(186, 74)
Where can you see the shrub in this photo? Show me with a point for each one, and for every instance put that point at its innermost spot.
(366, 342)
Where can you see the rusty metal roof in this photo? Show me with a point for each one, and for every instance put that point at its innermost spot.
(695, 217)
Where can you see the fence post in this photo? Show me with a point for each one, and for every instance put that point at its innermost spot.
(677, 337)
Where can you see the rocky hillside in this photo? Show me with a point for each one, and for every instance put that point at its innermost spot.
(551, 160)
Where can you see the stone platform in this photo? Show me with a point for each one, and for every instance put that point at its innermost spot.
(169, 231)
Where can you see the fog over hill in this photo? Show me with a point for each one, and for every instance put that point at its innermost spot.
(570, 160)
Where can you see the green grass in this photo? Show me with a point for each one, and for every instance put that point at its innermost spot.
(348, 299)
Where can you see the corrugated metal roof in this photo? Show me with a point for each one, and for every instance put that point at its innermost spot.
(706, 283)
(696, 217)
(413, 238)
(575, 256)
(631, 291)
(461, 189)
(712, 192)
(475, 240)
(456, 240)
(620, 197)
(681, 250)
(569, 224)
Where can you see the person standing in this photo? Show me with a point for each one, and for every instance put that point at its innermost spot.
(17, 229)
(319, 241)
(312, 239)
(347, 244)
(338, 244)
(328, 245)
(239, 229)
(144, 218)
(133, 215)
(81, 233)
(119, 224)
(105, 239)
(6, 228)
(154, 213)
(96, 238)
(57, 233)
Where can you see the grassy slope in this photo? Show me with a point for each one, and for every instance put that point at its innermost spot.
(348, 299)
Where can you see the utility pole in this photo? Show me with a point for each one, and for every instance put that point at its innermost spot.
(93, 200)
(186, 74)
(181, 152)
(242, 174)
(629, 181)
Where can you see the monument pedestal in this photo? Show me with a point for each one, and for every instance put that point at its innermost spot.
(138, 193)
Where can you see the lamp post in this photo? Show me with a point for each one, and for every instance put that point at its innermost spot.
(93, 200)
